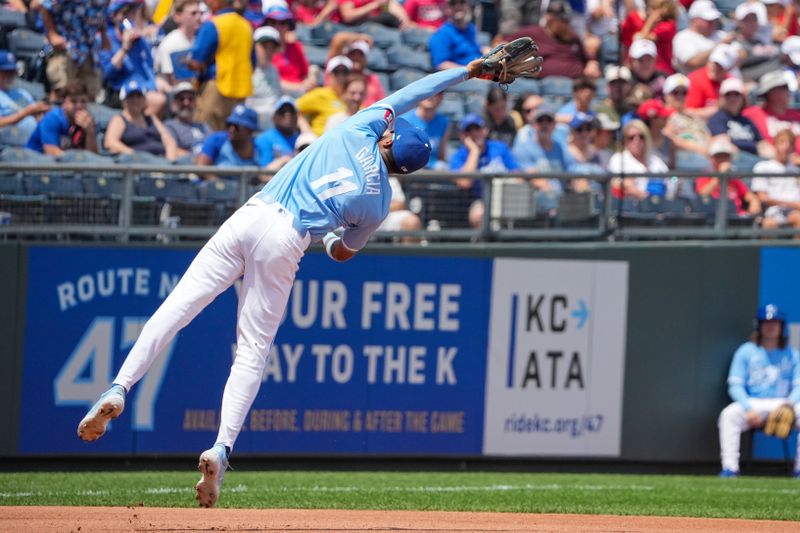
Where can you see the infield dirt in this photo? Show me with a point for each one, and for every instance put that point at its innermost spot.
(119, 519)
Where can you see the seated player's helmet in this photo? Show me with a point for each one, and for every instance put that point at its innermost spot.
(770, 312)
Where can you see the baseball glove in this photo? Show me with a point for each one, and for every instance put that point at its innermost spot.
(780, 422)
(509, 61)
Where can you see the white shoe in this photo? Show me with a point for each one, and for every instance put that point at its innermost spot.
(108, 407)
(213, 463)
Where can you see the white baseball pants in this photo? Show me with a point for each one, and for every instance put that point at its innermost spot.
(733, 422)
(260, 244)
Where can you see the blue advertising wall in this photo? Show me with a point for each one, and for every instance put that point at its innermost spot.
(361, 364)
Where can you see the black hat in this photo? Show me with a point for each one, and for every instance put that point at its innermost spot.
(560, 9)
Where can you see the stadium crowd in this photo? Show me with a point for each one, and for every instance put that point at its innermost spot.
(628, 87)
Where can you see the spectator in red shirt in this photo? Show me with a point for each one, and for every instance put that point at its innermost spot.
(783, 17)
(642, 60)
(313, 12)
(563, 52)
(290, 60)
(428, 14)
(721, 153)
(704, 83)
(385, 12)
(660, 27)
(356, 46)
(774, 114)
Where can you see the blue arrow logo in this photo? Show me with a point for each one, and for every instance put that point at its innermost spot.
(582, 313)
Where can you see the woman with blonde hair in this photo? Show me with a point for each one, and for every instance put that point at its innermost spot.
(636, 160)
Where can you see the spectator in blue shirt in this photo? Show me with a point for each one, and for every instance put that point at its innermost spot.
(455, 43)
(276, 145)
(235, 146)
(478, 153)
(189, 135)
(68, 126)
(436, 125)
(129, 55)
(18, 110)
(537, 150)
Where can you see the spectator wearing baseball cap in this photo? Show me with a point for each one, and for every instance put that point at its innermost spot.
(721, 151)
(234, 147)
(584, 89)
(319, 104)
(580, 145)
(276, 145)
(618, 87)
(687, 132)
(775, 113)
(605, 138)
(18, 110)
(537, 149)
(790, 60)
(266, 79)
(478, 153)
(658, 24)
(730, 121)
(222, 55)
(692, 46)
(562, 49)
(782, 16)
(654, 114)
(705, 82)
(189, 135)
(296, 74)
(642, 58)
(135, 130)
(356, 47)
(760, 54)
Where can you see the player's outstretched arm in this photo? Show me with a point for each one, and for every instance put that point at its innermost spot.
(409, 96)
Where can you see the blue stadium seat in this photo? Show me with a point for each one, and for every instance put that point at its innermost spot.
(609, 50)
(35, 89)
(382, 36)
(745, 161)
(303, 33)
(222, 190)
(417, 38)
(727, 7)
(484, 38)
(11, 19)
(385, 80)
(102, 115)
(142, 158)
(53, 185)
(103, 186)
(15, 154)
(557, 86)
(452, 106)
(602, 89)
(166, 188)
(376, 60)
(322, 34)
(403, 76)
(10, 184)
(473, 85)
(316, 55)
(25, 43)
(691, 161)
(85, 157)
(524, 86)
(14, 136)
(403, 56)
(474, 102)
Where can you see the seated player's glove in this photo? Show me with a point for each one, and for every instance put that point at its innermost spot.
(509, 61)
(780, 422)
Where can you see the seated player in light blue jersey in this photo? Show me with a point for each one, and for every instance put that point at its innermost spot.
(340, 182)
(764, 374)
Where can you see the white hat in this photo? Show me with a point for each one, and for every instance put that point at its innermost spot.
(642, 47)
(675, 81)
(791, 47)
(338, 61)
(771, 80)
(616, 72)
(359, 45)
(721, 145)
(266, 33)
(724, 55)
(607, 123)
(751, 8)
(704, 9)
(731, 85)
(183, 87)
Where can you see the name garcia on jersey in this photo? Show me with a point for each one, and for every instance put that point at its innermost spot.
(371, 169)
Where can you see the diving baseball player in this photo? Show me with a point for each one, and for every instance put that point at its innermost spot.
(764, 374)
(340, 181)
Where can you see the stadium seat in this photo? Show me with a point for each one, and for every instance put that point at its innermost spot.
(385, 80)
(609, 50)
(316, 55)
(322, 34)
(24, 43)
(404, 76)
(691, 161)
(376, 60)
(16, 154)
(602, 89)
(303, 33)
(10, 20)
(166, 188)
(727, 7)
(417, 38)
(484, 38)
(403, 56)
(224, 190)
(10, 184)
(52, 185)
(382, 36)
(745, 161)
(142, 158)
(557, 86)
(85, 157)
(35, 89)
(474, 102)
(14, 136)
(103, 186)
(452, 106)
(102, 115)
(472, 85)
(524, 86)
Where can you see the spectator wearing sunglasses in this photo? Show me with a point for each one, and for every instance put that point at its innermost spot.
(686, 131)
(729, 121)
(537, 150)
(188, 134)
(636, 160)
(654, 114)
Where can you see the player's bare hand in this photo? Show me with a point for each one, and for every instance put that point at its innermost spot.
(474, 68)
(754, 419)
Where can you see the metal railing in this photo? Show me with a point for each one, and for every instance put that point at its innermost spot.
(599, 216)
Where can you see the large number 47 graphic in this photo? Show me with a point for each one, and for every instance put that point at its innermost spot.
(94, 355)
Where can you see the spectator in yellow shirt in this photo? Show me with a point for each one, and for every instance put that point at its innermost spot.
(318, 105)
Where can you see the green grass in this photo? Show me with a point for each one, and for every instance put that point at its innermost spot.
(697, 496)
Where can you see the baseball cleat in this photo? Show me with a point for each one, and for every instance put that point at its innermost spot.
(108, 407)
(213, 463)
(729, 473)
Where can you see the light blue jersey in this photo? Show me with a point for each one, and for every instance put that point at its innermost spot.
(758, 373)
(341, 181)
